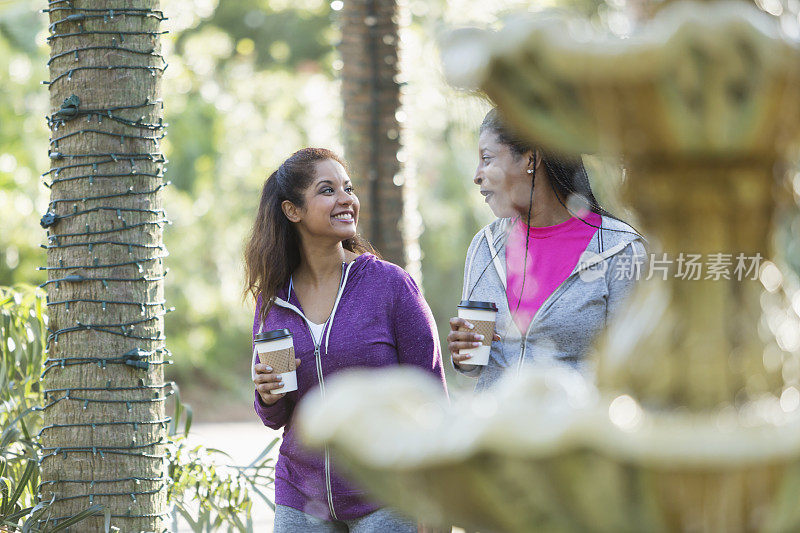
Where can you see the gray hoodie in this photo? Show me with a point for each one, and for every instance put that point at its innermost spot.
(565, 325)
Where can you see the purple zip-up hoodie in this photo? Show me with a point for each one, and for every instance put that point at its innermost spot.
(379, 319)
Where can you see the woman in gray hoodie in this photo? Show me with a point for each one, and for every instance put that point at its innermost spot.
(555, 263)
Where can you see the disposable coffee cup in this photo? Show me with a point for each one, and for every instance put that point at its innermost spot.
(276, 349)
(482, 315)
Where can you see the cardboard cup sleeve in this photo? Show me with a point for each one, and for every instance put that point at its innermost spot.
(482, 327)
(281, 361)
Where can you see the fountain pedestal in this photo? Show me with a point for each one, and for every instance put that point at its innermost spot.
(692, 419)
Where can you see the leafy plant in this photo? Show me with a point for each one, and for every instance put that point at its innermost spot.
(22, 330)
(22, 333)
(209, 493)
(206, 491)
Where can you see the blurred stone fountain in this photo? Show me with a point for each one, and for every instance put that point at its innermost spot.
(691, 421)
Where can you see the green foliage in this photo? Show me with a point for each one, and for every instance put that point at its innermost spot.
(281, 34)
(17, 23)
(208, 493)
(23, 141)
(206, 490)
(22, 333)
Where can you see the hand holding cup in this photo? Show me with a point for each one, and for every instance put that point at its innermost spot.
(267, 380)
(465, 341)
(275, 372)
(461, 337)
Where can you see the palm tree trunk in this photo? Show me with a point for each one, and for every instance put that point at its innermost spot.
(371, 98)
(104, 415)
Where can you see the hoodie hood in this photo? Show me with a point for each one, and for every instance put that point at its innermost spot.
(355, 270)
(612, 237)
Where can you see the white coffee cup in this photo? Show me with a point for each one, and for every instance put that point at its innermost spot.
(482, 315)
(276, 349)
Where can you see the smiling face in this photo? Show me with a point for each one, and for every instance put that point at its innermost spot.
(330, 207)
(502, 176)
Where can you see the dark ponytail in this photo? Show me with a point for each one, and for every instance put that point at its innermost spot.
(272, 252)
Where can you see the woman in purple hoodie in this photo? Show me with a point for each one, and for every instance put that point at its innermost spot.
(310, 272)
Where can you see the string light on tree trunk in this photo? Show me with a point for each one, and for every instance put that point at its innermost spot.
(105, 259)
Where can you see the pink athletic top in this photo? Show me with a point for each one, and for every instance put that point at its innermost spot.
(553, 252)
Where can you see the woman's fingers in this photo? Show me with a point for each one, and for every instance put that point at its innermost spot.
(267, 382)
(267, 378)
(456, 347)
(458, 340)
(456, 335)
(264, 377)
(461, 340)
(261, 368)
(464, 336)
(264, 388)
(456, 323)
(269, 398)
(461, 358)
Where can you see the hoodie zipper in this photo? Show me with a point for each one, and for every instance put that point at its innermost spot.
(321, 380)
(318, 363)
(535, 315)
(328, 484)
(502, 273)
(554, 295)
